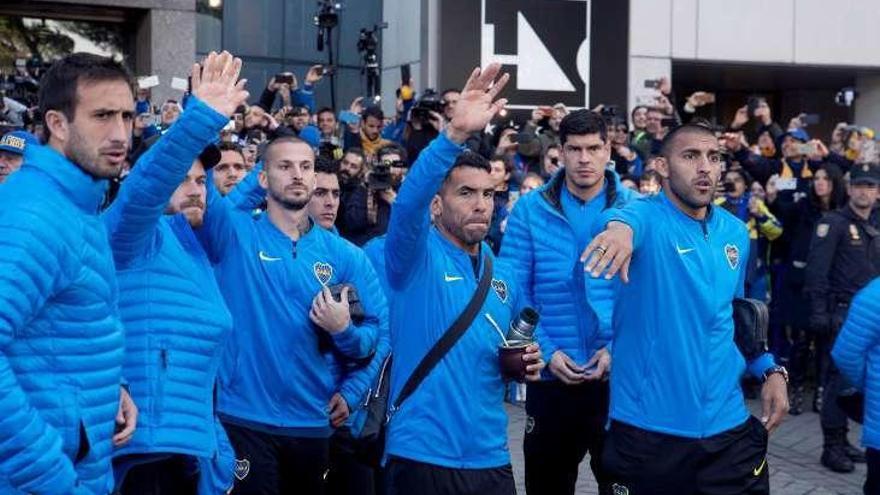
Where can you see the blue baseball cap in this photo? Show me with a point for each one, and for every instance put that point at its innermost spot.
(17, 141)
(799, 134)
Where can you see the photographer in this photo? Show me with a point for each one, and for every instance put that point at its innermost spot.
(366, 208)
(283, 90)
(626, 160)
(424, 124)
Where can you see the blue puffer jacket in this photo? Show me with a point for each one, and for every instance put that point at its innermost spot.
(61, 341)
(175, 317)
(857, 354)
(541, 245)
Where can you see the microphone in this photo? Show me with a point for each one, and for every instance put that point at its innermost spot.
(320, 40)
(523, 326)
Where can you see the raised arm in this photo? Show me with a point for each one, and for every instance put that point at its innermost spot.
(410, 216)
(131, 220)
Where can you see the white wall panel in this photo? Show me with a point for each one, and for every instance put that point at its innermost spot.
(746, 30)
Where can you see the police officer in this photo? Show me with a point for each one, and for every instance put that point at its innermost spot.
(844, 257)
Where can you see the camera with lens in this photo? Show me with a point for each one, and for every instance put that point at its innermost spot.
(379, 178)
(430, 101)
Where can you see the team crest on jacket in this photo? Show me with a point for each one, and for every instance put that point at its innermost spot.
(617, 489)
(242, 468)
(323, 272)
(500, 288)
(732, 253)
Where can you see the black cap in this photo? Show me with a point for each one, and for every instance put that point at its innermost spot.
(864, 173)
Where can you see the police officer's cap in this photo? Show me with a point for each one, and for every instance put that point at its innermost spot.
(863, 173)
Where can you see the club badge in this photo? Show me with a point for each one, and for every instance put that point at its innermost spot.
(242, 468)
(500, 288)
(323, 272)
(618, 489)
(732, 253)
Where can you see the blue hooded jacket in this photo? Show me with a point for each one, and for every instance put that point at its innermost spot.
(676, 367)
(175, 317)
(61, 341)
(456, 417)
(542, 247)
(273, 376)
(857, 355)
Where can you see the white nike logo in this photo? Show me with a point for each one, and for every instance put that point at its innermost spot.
(450, 278)
(266, 257)
(683, 251)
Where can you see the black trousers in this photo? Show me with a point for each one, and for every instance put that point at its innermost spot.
(407, 477)
(348, 475)
(641, 462)
(564, 423)
(173, 475)
(872, 482)
(268, 464)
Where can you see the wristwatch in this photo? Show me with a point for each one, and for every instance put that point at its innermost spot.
(776, 369)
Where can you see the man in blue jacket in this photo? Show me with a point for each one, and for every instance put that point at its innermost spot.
(450, 435)
(545, 235)
(175, 318)
(857, 355)
(61, 340)
(679, 424)
(275, 271)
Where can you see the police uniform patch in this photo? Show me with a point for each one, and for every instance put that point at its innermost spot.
(500, 288)
(822, 230)
(323, 272)
(530, 424)
(732, 253)
(854, 232)
(242, 468)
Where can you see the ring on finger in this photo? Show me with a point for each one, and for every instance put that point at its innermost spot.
(602, 249)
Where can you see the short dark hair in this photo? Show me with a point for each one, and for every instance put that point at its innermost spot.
(354, 150)
(282, 140)
(690, 128)
(449, 90)
(325, 110)
(230, 146)
(324, 165)
(650, 175)
(582, 122)
(508, 163)
(391, 149)
(468, 158)
(632, 114)
(373, 111)
(59, 84)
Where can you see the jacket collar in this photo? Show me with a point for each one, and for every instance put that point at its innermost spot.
(552, 191)
(82, 189)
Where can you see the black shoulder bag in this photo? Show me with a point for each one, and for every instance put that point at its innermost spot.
(370, 442)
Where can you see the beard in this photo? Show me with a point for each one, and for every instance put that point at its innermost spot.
(89, 159)
(288, 201)
(467, 234)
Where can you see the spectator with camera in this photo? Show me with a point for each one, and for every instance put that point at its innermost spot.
(366, 207)
(424, 124)
(550, 161)
(626, 160)
(433, 269)
(844, 257)
(568, 409)
(275, 381)
(283, 90)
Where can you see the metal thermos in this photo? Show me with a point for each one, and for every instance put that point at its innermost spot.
(522, 327)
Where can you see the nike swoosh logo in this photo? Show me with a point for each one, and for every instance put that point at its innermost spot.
(266, 257)
(758, 470)
(450, 278)
(683, 250)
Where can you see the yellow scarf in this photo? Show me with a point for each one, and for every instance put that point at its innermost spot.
(788, 173)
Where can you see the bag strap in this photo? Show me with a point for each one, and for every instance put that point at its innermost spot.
(453, 333)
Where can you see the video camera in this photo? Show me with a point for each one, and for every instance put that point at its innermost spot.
(379, 178)
(430, 101)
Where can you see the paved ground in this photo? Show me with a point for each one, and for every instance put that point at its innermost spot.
(793, 458)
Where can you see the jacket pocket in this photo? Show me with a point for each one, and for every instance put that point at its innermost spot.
(161, 358)
(67, 421)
